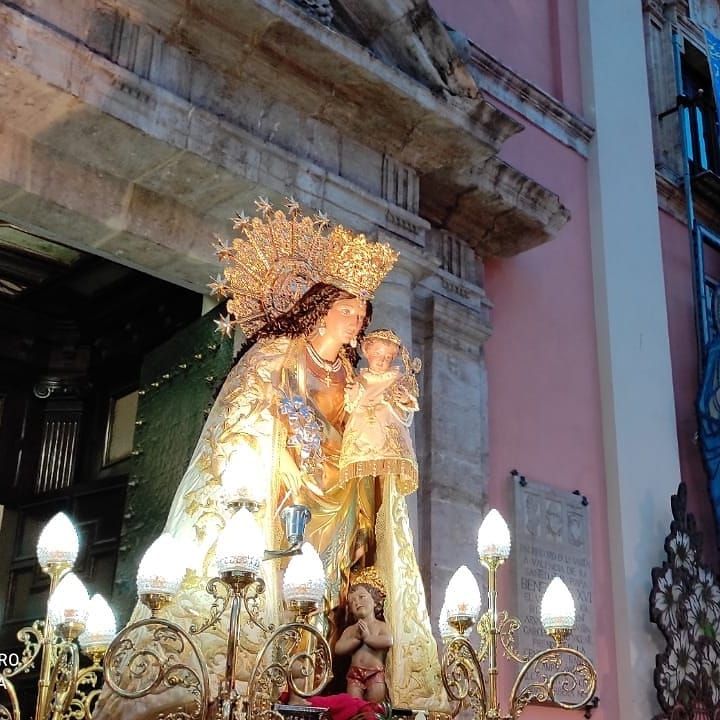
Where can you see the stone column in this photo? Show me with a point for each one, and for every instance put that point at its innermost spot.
(452, 434)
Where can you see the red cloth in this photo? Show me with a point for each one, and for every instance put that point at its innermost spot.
(342, 706)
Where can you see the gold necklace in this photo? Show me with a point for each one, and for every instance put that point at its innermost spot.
(324, 365)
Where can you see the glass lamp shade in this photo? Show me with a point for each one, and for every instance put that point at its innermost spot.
(161, 569)
(58, 542)
(304, 579)
(69, 602)
(100, 628)
(240, 546)
(494, 537)
(443, 625)
(557, 609)
(462, 597)
(243, 479)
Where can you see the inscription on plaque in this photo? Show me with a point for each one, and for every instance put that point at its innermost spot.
(551, 538)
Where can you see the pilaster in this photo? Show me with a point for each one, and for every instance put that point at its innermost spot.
(638, 415)
(452, 428)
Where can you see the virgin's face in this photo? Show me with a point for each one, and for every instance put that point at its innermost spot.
(344, 319)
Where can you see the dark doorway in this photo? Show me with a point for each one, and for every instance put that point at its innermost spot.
(74, 329)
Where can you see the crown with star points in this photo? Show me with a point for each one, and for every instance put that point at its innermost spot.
(279, 256)
(368, 576)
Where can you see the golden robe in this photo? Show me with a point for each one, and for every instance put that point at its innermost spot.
(377, 438)
(344, 519)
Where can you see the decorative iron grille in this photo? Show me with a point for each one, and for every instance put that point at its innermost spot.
(58, 450)
(685, 605)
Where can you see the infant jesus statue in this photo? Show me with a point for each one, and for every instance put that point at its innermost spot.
(368, 639)
(381, 404)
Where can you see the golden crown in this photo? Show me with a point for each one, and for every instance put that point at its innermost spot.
(383, 334)
(279, 257)
(368, 576)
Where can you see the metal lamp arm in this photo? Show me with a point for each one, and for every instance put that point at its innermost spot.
(550, 670)
(294, 549)
(463, 678)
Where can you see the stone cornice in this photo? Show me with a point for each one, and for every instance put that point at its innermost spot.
(535, 104)
(677, 12)
(655, 9)
(689, 29)
(671, 199)
(470, 206)
(458, 325)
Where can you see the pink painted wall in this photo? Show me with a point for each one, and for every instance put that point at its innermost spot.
(681, 325)
(538, 39)
(544, 397)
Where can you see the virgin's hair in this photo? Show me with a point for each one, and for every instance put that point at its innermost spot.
(305, 315)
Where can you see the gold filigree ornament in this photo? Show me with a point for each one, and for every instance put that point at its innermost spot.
(368, 576)
(383, 334)
(279, 256)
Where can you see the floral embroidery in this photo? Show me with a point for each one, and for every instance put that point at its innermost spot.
(305, 431)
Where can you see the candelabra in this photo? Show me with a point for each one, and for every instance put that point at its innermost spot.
(549, 676)
(155, 654)
(72, 617)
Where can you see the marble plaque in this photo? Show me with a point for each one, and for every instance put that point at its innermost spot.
(551, 537)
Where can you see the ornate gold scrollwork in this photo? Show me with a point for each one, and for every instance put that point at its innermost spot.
(507, 626)
(221, 592)
(62, 680)
(254, 606)
(87, 690)
(551, 674)
(463, 678)
(31, 638)
(295, 651)
(12, 712)
(156, 655)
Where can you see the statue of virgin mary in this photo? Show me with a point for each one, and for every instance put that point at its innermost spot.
(301, 292)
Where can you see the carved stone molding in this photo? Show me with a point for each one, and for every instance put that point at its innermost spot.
(400, 185)
(655, 9)
(671, 199)
(56, 386)
(408, 34)
(693, 16)
(319, 9)
(533, 103)
(462, 324)
(472, 205)
(455, 256)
